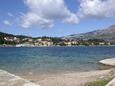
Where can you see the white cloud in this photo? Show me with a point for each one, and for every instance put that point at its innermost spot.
(97, 8)
(33, 19)
(6, 22)
(10, 14)
(45, 12)
(72, 19)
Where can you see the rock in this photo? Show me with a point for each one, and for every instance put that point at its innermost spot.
(110, 62)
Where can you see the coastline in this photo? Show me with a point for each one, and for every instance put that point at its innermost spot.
(52, 46)
(60, 79)
(67, 79)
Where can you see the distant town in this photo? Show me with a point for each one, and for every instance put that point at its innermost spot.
(24, 41)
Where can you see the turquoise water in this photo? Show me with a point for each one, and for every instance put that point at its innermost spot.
(54, 59)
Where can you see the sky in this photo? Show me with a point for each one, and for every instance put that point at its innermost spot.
(55, 17)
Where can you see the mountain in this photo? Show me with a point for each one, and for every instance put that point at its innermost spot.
(2, 34)
(107, 34)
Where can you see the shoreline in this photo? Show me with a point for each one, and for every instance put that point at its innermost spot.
(73, 78)
(64, 79)
(53, 46)
(39, 75)
(70, 79)
(59, 79)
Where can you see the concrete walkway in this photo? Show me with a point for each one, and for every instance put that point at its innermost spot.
(7, 79)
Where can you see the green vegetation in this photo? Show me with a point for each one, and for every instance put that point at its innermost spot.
(98, 83)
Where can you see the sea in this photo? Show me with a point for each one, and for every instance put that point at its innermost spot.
(42, 60)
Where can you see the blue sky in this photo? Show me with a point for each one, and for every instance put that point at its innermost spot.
(55, 17)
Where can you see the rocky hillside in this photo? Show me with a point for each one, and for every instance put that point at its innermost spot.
(105, 34)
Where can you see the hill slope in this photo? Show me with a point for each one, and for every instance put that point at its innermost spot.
(2, 34)
(106, 34)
